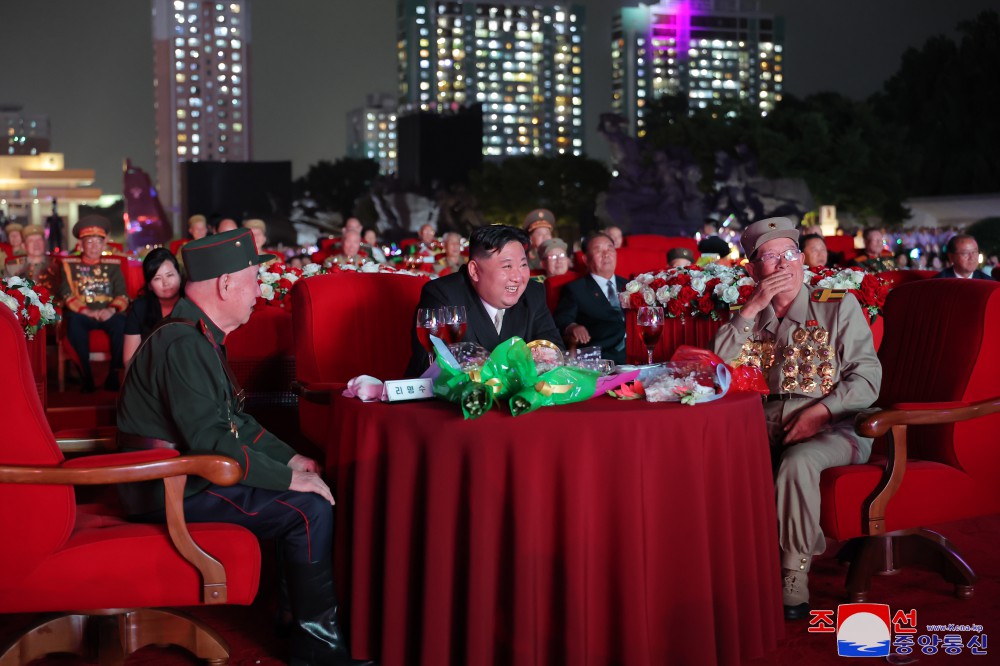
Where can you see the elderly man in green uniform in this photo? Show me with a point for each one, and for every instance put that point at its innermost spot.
(180, 393)
(816, 352)
(94, 298)
(36, 265)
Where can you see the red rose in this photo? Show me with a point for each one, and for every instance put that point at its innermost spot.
(711, 285)
(43, 294)
(706, 304)
(18, 296)
(675, 308)
(687, 294)
(34, 315)
(636, 300)
(680, 278)
(284, 284)
(745, 292)
(657, 283)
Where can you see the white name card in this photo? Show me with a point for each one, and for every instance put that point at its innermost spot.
(398, 390)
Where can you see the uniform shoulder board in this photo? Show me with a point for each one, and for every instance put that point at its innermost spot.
(16, 260)
(72, 259)
(828, 295)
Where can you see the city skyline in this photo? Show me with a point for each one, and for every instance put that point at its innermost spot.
(89, 68)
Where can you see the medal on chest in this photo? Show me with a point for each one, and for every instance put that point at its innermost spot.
(808, 362)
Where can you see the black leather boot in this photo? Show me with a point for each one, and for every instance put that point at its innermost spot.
(316, 638)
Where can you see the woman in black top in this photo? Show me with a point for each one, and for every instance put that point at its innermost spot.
(164, 286)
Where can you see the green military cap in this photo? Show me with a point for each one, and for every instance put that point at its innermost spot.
(228, 252)
(680, 253)
(762, 231)
(540, 218)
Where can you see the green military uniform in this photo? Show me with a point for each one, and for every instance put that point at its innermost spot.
(180, 372)
(821, 351)
(878, 264)
(45, 272)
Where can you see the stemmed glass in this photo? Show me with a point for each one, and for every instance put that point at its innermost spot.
(456, 321)
(430, 321)
(650, 320)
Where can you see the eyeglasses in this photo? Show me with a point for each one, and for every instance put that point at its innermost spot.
(556, 256)
(773, 257)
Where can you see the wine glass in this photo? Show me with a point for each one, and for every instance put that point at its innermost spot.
(456, 321)
(430, 321)
(650, 320)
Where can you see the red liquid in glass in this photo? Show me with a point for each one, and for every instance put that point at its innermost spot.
(651, 333)
(424, 334)
(456, 331)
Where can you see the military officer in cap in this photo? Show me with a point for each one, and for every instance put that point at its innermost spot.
(679, 257)
(815, 350)
(35, 265)
(180, 393)
(538, 225)
(94, 298)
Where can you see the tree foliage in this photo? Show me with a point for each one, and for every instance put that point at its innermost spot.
(337, 186)
(568, 185)
(945, 98)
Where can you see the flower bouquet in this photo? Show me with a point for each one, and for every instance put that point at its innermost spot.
(276, 281)
(512, 371)
(692, 291)
(31, 304)
(869, 288)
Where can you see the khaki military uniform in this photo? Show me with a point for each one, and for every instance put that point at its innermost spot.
(821, 351)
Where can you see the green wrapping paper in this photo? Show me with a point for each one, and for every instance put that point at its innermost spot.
(509, 368)
(559, 386)
(454, 385)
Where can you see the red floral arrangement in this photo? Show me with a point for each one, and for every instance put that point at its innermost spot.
(30, 303)
(691, 291)
(869, 288)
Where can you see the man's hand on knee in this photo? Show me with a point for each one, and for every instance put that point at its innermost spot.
(806, 423)
(310, 482)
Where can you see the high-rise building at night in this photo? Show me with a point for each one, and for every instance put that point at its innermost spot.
(24, 134)
(522, 61)
(708, 50)
(201, 58)
(371, 132)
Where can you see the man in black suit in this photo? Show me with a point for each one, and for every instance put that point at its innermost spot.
(963, 253)
(495, 287)
(589, 312)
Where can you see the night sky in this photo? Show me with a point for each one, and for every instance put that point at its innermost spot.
(88, 66)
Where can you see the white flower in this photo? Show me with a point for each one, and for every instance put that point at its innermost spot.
(698, 284)
(742, 282)
(663, 294)
(267, 291)
(648, 296)
(14, 281)
(311, 269)
(827, 283)
(731, 295)
(369, 268)
(291, 277)
(48, 312)
(9, 302)
(633, 286)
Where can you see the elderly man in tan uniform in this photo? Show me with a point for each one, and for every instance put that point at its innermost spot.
(815, 349)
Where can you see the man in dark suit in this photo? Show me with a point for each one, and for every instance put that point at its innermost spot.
(501, 301)
(589, 312)
(963, 253)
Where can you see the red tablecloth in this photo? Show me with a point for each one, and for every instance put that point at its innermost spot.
(596, 533)
(676, 332)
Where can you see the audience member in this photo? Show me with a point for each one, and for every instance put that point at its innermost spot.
(902, 259)
(538, 224)
(679, 257)
(426, 235)
(227, 224)
(963, 253)
(94, 298)
(875, 258)
(814, 254)
(370, 246)
(350, 252)
(495, 287)
(197, 227)
(259, 230)
(352, 224)
(35, 264)
(452, 260)
(15, 238)
(179, 394)
(589, 310)
(827, 373)
(555, 257)
(162, 289)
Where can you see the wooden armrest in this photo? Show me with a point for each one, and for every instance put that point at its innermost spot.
(879, 423)
(895, 422)
(220, 470)
(319, 393)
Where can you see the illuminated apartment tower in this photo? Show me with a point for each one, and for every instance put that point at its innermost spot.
(371, 132)
(708, 50)
(201, 59)
(522, 61)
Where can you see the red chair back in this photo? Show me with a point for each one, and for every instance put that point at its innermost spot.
(633, 261)
(662, 243)
(554, 285)
(39, 518)
(896, 278)
(348, 324)
(843, 246)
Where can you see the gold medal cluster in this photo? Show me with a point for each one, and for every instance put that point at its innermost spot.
(806, 364)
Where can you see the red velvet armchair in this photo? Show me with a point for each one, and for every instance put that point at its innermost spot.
(89, 564)
(936, 459)
(345, 325)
